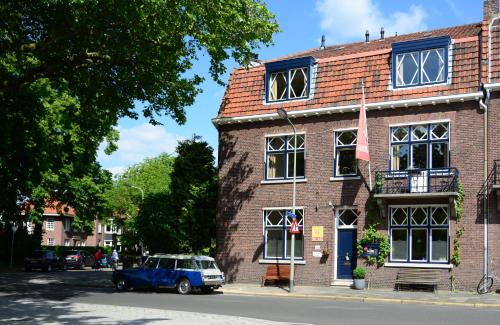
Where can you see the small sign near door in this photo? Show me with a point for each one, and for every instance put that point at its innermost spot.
(317, 233)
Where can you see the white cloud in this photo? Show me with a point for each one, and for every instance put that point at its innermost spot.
(137, 143)
(344, 21)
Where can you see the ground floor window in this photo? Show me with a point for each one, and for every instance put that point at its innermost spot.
(419, 233)
(277, 237)
(108, 243)
(51, 241)
(66, 242)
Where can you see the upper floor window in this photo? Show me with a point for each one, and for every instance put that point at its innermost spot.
(280, 156)
(420, 62)
(50, 224)
(422, 146)
(345, 153)
(288, 80)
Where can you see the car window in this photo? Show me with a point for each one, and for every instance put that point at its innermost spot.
(186, 264)
(167, 263)
(66, 253)
(151, 263)
(206, 264)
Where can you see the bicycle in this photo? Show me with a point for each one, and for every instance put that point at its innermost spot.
(486, 283)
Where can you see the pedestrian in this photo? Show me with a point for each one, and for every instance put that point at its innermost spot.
(114, 259)
(98, 257)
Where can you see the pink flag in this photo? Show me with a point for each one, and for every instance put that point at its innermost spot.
(362, 141)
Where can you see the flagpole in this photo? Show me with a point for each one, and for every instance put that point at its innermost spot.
(369, 164)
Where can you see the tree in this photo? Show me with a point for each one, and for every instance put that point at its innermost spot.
(124, 199)
(194, 199)
(70, 68)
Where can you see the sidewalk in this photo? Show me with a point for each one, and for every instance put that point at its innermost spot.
(443, 298)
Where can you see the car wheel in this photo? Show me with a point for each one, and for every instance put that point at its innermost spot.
(121, 284)
(184, 286)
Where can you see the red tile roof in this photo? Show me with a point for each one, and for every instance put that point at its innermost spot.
(341, 68)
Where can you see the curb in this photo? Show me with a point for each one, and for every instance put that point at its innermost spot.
(364, 299)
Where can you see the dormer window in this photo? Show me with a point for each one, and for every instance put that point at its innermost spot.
(288, 80)
(420, 62)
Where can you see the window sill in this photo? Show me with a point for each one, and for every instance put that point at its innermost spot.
(419, 265)
(344, 178)
(271, 261)
(284, 181)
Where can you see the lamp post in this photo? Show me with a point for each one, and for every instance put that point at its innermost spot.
(13, 226)
(284, 115)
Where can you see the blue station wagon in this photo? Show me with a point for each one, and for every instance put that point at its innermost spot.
(183, 272)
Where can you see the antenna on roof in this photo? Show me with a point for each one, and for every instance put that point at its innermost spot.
(254, 60)
(382, 32)
(322, 47)
(367, 35)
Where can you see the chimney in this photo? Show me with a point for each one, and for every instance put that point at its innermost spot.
(322, 47)
(254, 60)
(382, 32)
(490, 9)
(367, 35)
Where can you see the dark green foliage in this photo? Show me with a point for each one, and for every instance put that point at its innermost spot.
(70, 68)
(371, 235)
(359, 273)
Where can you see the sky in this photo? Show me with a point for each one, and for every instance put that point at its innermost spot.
(302, 23)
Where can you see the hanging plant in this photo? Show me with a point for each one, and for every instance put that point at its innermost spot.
(370, 236)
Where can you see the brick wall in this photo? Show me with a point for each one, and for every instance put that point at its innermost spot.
(242, 196)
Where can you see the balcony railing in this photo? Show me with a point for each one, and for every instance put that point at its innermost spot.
(416, 181)
(496, 172)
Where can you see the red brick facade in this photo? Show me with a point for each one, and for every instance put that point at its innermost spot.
(243, 195)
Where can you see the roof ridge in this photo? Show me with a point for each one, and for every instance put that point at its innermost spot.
(343, 45)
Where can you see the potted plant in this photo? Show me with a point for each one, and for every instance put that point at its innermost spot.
(359, 274)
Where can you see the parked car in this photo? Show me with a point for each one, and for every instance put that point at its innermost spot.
(78, 259)
(182, 272)
(46, 260)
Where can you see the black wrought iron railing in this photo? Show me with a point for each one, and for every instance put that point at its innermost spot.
(417, 181)
(496, 172)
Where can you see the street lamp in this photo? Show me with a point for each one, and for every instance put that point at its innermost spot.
(284, 115)
(14, 227)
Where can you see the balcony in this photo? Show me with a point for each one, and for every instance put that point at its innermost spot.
(422, 183)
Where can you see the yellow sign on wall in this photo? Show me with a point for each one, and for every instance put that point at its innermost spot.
(317, 233)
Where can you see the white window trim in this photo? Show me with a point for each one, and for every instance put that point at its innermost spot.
(283, 181)
(278, 261)
(49, 240)
(390, 244)
(419, 265)
(412, 263)
(410, 243)
(420, 123)
(52, 222)
(342, 177)
(264, 237)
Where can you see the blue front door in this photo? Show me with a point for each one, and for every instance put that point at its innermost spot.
(346, 253)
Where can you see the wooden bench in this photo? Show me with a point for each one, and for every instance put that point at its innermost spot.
(410, 276)
(276, 272)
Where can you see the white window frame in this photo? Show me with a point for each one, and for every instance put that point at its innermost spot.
(286, 150)
(51, 241)
(338, 148)
(108, 243)
(50, 224)
(429, 227)
(285, 227)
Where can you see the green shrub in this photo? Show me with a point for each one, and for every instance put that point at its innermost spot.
(359, 273)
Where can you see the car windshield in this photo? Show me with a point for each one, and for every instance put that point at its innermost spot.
(206, 264)
(150, 263)
(66, 253)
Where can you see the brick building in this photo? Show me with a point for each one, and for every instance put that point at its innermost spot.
(432, 101)
(57, 230)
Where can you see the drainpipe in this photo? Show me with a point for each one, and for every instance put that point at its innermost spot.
(483, 104)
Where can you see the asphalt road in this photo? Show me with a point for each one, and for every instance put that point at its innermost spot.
(290, 310)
